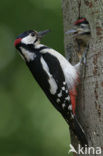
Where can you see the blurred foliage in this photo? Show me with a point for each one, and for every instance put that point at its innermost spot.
(29, 124)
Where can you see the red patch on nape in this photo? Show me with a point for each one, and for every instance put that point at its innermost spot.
(17, 41)
(73, 94)
(80, 21)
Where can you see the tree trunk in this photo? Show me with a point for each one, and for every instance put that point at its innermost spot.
(90, 94)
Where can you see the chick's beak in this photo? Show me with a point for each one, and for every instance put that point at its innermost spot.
(43, 33)
(75, 32)
(71, 31)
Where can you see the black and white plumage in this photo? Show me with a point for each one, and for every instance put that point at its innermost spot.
(55, 75)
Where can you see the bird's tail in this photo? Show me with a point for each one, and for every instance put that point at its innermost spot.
(79, 132)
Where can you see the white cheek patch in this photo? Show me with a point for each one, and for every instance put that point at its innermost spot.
(51, 80)
(29, 56)
(28, 39)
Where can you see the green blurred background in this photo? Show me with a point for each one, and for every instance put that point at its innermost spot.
(29, 124)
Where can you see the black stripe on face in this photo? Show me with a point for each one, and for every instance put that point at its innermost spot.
(36, 40)
(44, 47)
(85, 33)
(84, 22)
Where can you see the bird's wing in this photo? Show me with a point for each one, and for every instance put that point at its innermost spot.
(60, 97)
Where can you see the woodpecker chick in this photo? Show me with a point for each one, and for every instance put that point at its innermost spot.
(81, 34)
(55, 75)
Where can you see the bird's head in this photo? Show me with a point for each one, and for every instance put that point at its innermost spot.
(80, 29)
(27, 41)
(29, 38)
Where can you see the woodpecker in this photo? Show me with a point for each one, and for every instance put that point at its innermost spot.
(81, 34)
(55, 75)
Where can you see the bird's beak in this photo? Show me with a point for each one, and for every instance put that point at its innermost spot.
(71, 31)
(43, 33)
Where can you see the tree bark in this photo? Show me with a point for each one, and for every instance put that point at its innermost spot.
(90, 93)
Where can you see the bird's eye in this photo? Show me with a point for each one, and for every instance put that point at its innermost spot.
(32, 34)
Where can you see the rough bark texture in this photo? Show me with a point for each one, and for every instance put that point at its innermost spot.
(90, 97)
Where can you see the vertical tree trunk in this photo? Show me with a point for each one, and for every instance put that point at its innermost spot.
(90, 94)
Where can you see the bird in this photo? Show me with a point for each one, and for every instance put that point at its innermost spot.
(81, 33)
(56, 76)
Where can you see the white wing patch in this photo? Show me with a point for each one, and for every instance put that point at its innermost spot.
(51, 80)
(60, 94)
(29, 56)
(63, 105)
(70, 71)
(58, 100)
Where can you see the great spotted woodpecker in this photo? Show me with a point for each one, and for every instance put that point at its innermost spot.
(55, 75)
(81, 33)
